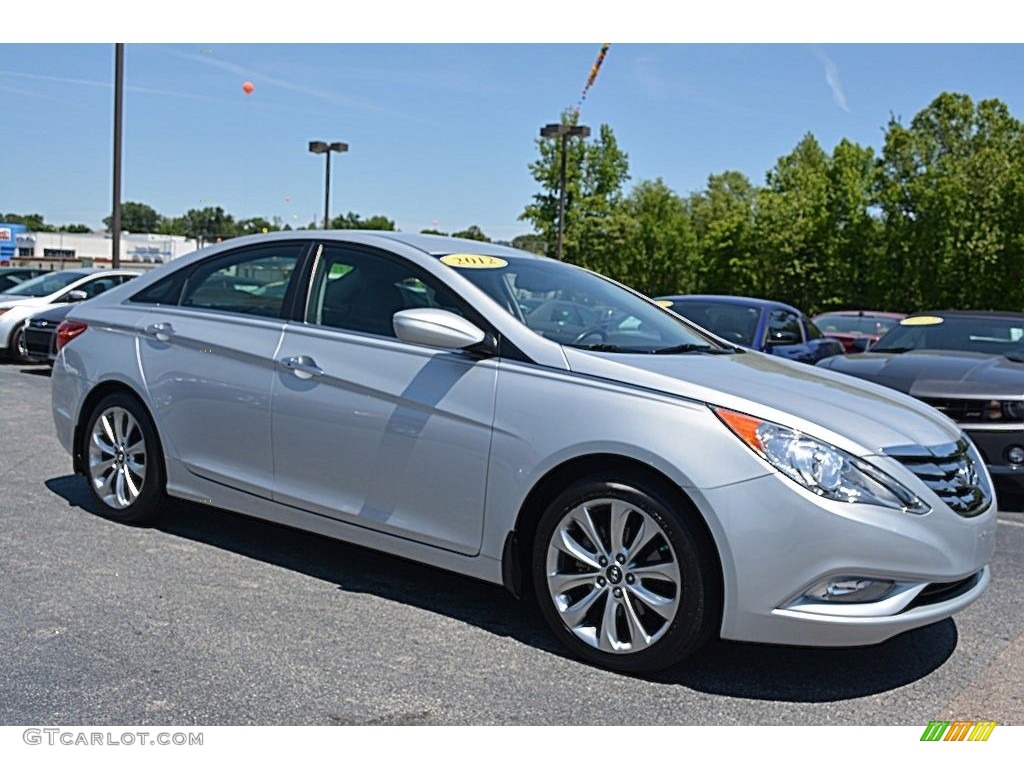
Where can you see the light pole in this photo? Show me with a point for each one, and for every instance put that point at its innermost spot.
(323, 148)
(562, 131)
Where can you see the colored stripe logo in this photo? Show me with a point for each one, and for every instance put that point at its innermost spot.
(958, 730)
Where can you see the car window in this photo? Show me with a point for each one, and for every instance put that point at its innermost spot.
(810, 330)
(361, 291)
(993, 335)
(855, 324)
(241, 281)
(96, 287)
(46, 284)
(734, 322)
(783, 327)
(579, 308)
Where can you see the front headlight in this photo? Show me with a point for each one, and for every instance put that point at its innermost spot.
(819, 467)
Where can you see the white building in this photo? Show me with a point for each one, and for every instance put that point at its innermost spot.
(60, 250)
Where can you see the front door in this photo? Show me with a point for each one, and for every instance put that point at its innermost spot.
(374, 431)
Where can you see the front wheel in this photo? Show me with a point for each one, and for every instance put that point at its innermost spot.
(623, 577)
(123, 462)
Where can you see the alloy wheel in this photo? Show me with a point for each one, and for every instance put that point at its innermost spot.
(613, 576)
(117, 458)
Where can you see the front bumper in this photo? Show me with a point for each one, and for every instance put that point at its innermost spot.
(778, 540)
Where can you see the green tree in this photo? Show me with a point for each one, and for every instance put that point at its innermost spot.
(473, 232)
(853, 248)
(136, 217)
(33, 222)
(596, 171)
(256, 225)
(723, 221)
(532, 242)
(354, 221)
(655, 244)
(951, 193)
(75, 228)
(791, 228)
(209, 224)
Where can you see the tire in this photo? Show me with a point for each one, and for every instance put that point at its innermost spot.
(123, 461)
(640, 604)
(15, 344)
(16, 349)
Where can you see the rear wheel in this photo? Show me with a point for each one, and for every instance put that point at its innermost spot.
(624, 578)
(122, 458)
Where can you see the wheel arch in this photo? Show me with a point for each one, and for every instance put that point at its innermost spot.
(96, 394)
(519, 541)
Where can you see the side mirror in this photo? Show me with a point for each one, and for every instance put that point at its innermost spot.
(436, 328)
(783, 337)
(77, 295)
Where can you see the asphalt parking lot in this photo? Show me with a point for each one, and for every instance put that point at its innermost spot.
(215, 619)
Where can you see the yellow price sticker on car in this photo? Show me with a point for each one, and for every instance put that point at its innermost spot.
(473, 261)
(922, 320)
(663, 303)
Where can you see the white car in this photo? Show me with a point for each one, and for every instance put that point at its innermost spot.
(45, 292)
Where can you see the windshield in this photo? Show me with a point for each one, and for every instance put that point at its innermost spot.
(578, 308)
(986, 335)
(866, 324)
(44, 285)
(735, 322)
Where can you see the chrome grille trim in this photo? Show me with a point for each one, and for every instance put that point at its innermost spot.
(950, 473)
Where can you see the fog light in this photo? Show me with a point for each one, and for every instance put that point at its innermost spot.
(1015, 454)
(850, 589)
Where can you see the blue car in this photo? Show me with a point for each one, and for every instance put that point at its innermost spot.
(759, 324)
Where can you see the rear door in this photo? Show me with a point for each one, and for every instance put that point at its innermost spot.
(208, 349)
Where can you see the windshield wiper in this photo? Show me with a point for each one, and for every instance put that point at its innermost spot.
(894, 350)
(1017, 357)
(683, 349)
(603, 348)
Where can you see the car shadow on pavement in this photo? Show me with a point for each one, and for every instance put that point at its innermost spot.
(742, 670)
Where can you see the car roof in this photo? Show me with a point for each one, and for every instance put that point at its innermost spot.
(860, 313)
(975, 313)
(746, 301)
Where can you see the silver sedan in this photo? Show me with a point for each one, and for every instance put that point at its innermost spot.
(526, 422)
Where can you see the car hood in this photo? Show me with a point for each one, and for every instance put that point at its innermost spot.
(931, 373)
(861, 417)
(27, 301)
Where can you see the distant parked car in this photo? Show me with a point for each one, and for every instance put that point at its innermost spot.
(39, 339)
(767, 326)
(857, 330)
(970, 366)
(50, 288)
(12, 277)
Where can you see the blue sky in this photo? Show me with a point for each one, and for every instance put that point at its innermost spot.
(439, 132)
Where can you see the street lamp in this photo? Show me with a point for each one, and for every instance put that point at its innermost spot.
(563, 131)
(323, 148)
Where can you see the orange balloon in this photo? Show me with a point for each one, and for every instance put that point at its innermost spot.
(248, 87)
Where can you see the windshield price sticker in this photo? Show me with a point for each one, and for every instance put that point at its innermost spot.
(473, 261)
(923, 320)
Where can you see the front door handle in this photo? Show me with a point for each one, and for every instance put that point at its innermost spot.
(303, 366)
(160, 331)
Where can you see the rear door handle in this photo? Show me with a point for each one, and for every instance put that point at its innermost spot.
(160, 331)
(303, 366)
